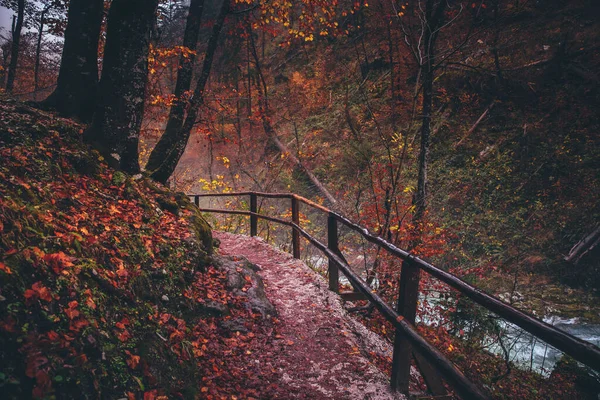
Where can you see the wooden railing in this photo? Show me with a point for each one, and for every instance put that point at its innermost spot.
(407, 341)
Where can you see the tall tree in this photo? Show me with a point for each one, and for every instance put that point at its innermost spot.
(434, 16)
(432, 21)
(75, 93)
(47, 7)
(14, 51)
(184, 82)
(170, 156)
(120, 104)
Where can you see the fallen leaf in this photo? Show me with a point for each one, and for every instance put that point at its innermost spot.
(5, 268)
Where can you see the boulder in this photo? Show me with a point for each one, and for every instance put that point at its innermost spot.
(239, 273)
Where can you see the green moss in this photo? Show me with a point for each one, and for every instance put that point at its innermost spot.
(118, 178)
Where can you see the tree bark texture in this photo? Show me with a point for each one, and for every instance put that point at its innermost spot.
(171, 156)
(118, 115)
(184, 82)
(14, 51)
(75, 93)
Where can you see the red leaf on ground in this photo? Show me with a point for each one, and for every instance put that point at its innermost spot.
(5, 268)
(121, 324)
(58, 261)
(71, 311)
(133, 360)
(38, 291)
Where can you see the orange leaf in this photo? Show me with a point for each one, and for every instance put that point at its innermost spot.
(121, 324)
(151, 395)
(58, 261)
(42, 291)
(124, 335)
(52, 335)
(133, 361)
(71, 311)
(38, 291)
(90, 303)
(5, 268)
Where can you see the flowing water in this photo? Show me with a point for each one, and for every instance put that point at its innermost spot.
(533, 354)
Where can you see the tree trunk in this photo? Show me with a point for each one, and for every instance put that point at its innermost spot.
(75, 93)
(584, 247)
(14, 51)
(410, 275)
(184, 82)
(433, 19)
(172, 157)
(38, 50)
(118, 115)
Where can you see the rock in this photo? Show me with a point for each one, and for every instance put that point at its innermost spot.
(165, 297)
(239, 273)
(163, 365)
(213, 308)
(233, 325)
(168, 204)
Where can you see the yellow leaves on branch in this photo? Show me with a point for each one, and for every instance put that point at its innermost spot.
(167, 100)
(218, 184)
(160, 57)
(306, 19)
(225, 160)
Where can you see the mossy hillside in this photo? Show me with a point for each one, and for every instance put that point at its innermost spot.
(103, 276)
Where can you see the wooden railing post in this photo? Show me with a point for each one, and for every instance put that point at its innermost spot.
(253, 218)
(408, 297)
(332, 244)
(296, 220)
(408, 294)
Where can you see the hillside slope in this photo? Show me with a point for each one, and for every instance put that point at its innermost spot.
(107, 288)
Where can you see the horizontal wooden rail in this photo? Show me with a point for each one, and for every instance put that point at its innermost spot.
(580, 350)
(238, 194)
(267, 195)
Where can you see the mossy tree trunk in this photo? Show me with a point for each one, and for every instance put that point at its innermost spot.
(119, 111)
(75, 93)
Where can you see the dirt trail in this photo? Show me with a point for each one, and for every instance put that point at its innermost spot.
(321, 352)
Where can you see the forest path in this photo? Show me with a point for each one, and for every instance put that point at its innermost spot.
(321, 347)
